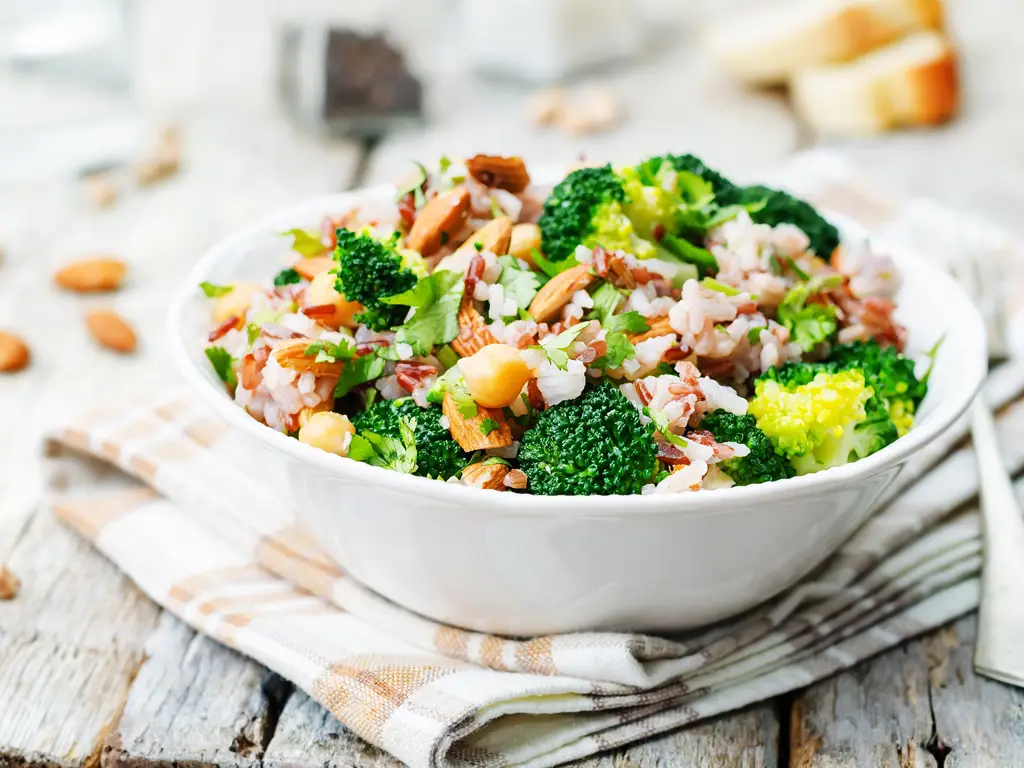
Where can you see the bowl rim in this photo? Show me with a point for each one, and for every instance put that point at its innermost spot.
(971, 371)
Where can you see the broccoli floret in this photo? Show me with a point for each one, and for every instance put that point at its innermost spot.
(368, 271)
(762, 464)
(593, 445)
(830, 420)
(585, 207)
(889, 374)
(695, 165)
(782, 208)
(437, 454)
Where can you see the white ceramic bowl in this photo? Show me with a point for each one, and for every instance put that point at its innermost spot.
(530, 565)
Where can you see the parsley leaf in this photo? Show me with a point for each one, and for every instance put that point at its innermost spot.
(628, 322)
(398, 454)
(557, 347)
(520, 285)
(415, 186)
(444, 163)
(754, 334)
(223, 365)
(809, 324)
(213, 291)
(620, 349)
(488, 425)
(328, 352)
(607, 299)
(436, 299)
(306, 242)
(451, 382)
(552, 268)
(287, 277)
(356, 371)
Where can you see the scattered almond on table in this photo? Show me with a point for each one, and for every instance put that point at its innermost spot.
(100, 189)
(9, 584)
(14, 353)
(110, 330)
(597, 108)
(163, 161)
(95, 275)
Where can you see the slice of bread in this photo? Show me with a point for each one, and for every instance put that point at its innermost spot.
(909, 83)
(765, 46)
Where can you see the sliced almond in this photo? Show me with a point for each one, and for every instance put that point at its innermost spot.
(94, 275)
(111, 330)
(440, 220)
(468, 433)
(9, 584)
(313, 266)
(292, 355)
(658, 326)
(490, 477)
(558, 291)
(474, 334)
(494, 236)
(525, 240)
(14, 353)
(508, 173)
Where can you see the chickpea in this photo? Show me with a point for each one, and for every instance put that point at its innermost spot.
(525, 239)
(235, 302)
(328, 431)
(322, 291)
(495, 375)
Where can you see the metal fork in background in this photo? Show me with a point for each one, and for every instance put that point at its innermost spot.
(999, 646)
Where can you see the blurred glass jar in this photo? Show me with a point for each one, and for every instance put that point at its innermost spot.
(549, 40)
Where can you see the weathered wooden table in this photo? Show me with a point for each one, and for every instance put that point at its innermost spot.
(92, 672)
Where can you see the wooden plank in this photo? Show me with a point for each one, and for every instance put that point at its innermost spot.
(919, 705)
(747, 739)
(70, 645)
(308, 735)
(193, 703)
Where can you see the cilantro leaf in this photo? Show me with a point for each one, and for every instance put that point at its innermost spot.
(809, 324)
(307, 242)
(213, 291)
(557, 347)
(620, 349)
(552, 268)
(435, 321)
(607, 299)
(754, 334)
(488, 425)
(521, 285)
(223, 365)
(398, 454)
(328, 352)
(356, 371)
(451, 382)
(628, 322)
(287, 277)
(415, 186)
(444, 163)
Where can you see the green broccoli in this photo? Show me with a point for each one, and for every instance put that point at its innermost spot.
(889, 374)
(820, 421)
(782, 208)
(586, 208)
(686, 164)
(437, 454)
(369, 271)
(762, 464)
(593, 445)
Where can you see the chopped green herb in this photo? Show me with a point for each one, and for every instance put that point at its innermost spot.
(716, 285)
(494, 460)
(620, 349)
(444, 163)
(479, 246)
(223, 365)
(628, 322)
(496, 210)
(447, 356)
(287, 277)
(213, 291)
(415, 186)
(398, 454)
(488, 425)
(557, 347)
(520, 285)
(436, 299)
(799, 272)
(306, 242)
(552, 268)
(252, 332)
(328, 352)
(754, 334)
(358, 370)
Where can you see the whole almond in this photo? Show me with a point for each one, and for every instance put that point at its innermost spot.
(474, 334)
(94, 275)
(490, 477)
(440, 220)
(508, 173)
(14, 354)
(110, 330)
(558, 291)
(494, 236)
(467, 431)
(9, 584)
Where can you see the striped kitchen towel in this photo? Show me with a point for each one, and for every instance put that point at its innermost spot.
(186, 518)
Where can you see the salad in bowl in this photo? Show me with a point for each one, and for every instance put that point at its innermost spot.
(648, 329)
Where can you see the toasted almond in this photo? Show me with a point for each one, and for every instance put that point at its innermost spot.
(14, 353)
(467, 432)
(490, 477)
(507, 173)
(494, 236)
(659, 326)
(101, 273)
(546, 106)
(557, 292)
(9, 584)
(110, 330)
(524, 241)
(163, 160)
(440, 219)
(292, 355)
(474, 334)
(100, 189)
(516, 480)
(313, 266)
